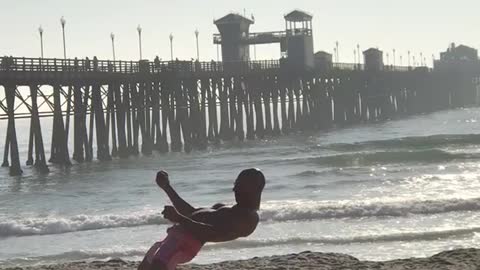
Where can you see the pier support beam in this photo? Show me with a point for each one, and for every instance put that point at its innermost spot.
(249, 110)
(182, 116)
(89, 134)
(11, 138)
(257, 97)
(204, 84)
(224, 119)
(240, 94)
(128, 109)
(135, 117)
(59, 153)
(232, 97)
(142, 105)
(36, 139)
(120, 111)
(213, 133)
(101, 131)
(5, 162)
(266, 96)
(79, 125)
(111, 123)
(283, 107)
(165, 103)
(157, 134)
(276, 120)
(175, 116)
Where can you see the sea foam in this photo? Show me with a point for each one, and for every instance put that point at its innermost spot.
(272, 211)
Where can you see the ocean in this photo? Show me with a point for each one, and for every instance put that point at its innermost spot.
(376, 191)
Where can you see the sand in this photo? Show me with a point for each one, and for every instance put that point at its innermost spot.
(461, 259)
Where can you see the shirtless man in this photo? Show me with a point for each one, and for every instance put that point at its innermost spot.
(196, 226)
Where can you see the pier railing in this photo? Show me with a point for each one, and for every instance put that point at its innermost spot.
(66, 65)
(23, 64)
(212, 66)
(353, 66)
(256, 38)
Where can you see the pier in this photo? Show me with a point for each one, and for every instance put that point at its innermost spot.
(124, 108)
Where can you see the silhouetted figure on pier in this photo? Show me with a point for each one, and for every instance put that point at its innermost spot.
(75, 64)
(7, 62)
(214, 65)
(87, 64)
(196, 226)
(156, 62)
(95, 63)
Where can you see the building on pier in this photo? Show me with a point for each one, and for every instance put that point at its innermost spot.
(459, 53)
(234, 32)
(296, 41)
(461, 58)
(299, 41)
(323, 61)
(373, 59)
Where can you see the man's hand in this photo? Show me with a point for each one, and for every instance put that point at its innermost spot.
(183, 208)
(162, 180)
(170, 213)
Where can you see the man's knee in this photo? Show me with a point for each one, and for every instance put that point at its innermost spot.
(144, 265)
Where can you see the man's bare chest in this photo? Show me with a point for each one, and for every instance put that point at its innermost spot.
(210, 216)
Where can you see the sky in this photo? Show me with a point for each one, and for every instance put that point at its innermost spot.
(426, 26)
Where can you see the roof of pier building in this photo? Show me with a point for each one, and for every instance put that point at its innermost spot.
(372, 51)
(323, 54)
(298, 16)
(233, 18)
(460, 52)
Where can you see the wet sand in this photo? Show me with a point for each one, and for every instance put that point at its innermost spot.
(461, 259)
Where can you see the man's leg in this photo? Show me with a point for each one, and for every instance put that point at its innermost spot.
(166, 255)
(158, 265)
(148, 259)
(163, 257)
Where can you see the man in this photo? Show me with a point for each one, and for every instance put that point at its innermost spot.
(195, 227)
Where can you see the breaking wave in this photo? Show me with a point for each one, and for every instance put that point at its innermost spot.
(419, 142)
(58, 225)
(272, 211)
(394, 237)
(384, 157)
(312, 210)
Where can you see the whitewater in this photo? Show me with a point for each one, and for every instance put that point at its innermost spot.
(377, 191)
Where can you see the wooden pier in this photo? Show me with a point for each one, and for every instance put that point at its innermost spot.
(127, 108)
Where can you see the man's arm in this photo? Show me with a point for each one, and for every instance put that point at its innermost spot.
(227, 227)
(180, 204)
(207, 232)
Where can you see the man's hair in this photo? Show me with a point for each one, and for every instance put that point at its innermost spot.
(256, 181)
(256, 177)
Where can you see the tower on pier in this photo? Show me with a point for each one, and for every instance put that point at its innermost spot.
(234, 32)
(299, 40)
(296, 41)
(373, 59)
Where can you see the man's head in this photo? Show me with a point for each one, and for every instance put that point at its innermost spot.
(248, 188)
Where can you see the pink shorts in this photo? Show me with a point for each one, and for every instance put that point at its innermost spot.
(178, 247)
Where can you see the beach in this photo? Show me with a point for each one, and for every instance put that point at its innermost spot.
(461, 259)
